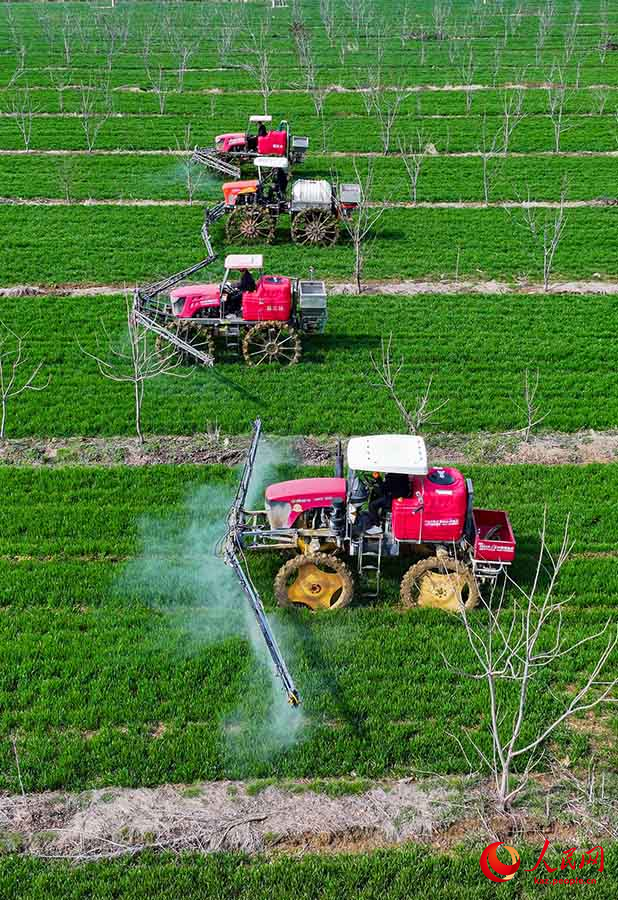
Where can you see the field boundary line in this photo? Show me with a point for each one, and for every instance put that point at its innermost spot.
(421, 204)
(405, 288)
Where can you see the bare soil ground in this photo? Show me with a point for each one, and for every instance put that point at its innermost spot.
(422, 204)
(293, 817)
(404, 288)
(450, 449)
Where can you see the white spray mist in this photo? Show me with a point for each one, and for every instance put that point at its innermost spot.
(179, 574)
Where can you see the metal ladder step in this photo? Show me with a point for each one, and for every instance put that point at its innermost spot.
(370, 564)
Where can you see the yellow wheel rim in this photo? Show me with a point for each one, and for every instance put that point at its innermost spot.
(442, 591)
(314, 588)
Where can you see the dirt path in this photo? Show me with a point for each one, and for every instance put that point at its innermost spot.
(336, 88)
(449, 449)
(422, 204)
(294, 817)
(404, 288)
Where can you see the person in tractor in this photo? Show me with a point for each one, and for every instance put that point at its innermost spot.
(380, 491)
(246, 282)
(234, 292)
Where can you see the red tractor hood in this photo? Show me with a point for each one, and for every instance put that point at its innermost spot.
(286, 500)
(188, 299)
(231, 136)
(306, 490)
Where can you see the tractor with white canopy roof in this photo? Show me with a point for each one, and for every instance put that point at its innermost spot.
(232, 149)
(339, 529)
(261, 317)
(253, 206)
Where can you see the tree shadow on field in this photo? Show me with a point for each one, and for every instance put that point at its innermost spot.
(324, 674)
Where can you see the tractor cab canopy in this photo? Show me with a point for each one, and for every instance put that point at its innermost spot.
(260, 119)
(270, 162)
(252, 261)
(393, 454)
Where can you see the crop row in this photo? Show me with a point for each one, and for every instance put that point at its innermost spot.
(91, 672)
(394, 49)
(343, 133)
(475, 347)
(236, 104)
(81, 245)
(440, 178)
(342, 876)
(98, 513)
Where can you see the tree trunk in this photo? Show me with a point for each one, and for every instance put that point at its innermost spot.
(138, 411)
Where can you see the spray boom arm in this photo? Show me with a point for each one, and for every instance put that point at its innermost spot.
(231, 553)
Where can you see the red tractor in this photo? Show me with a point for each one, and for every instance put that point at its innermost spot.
(259, 316)
(253, 206)
(391, 503)
(234, 148)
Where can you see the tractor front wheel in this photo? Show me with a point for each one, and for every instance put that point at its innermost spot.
(249, 225)
(271, 342)
(316, 228)
(317, 581)
(441, 583)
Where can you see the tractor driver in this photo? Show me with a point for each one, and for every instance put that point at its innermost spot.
(234, 292)
(382, 489)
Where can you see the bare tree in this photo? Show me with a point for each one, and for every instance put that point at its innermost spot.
(317, 92)
(547, 229)
(545, 19)
(184, 55)
(23, 112)
(66, 174)
(160, 86)
(601, 95)
(489, 148)
(60, 80)
(67, 29)
(20, 67)
(134, 361)
(388, 370)
(95, 108)
(441, 11)
(467, 75)
(557, 95)
(193, 173)
(530, 408)
(15, 380)
(257, 61)
(384, 104)
(361, 223)
(512, 114)
(513, 646)
(414, 154)
(327, 15)
(570, 37)
(230, 22)
(604, 30)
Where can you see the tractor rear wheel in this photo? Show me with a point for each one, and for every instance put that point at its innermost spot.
(198, 336)
(441, 583)
(250, 224)
(271, 342)
(315, 227)
(317, 581)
